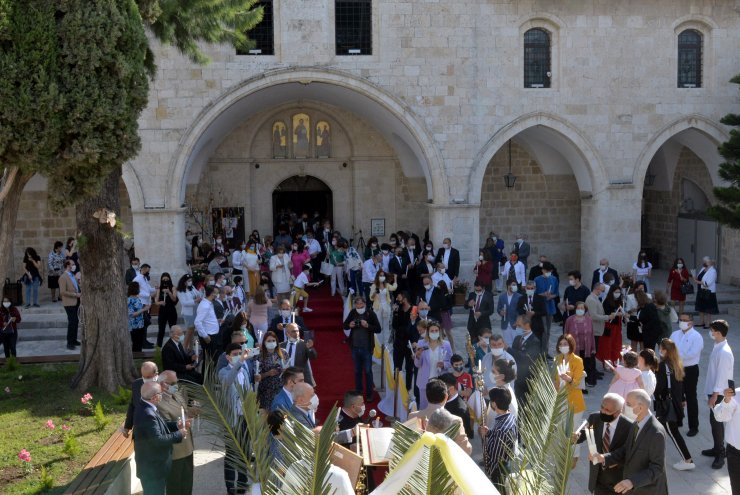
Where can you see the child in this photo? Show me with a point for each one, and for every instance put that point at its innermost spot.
(464, 380)
(299, 287)
(647, 362)
(482, 347)
(627, 377)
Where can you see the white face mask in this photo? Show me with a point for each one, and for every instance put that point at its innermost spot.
(360, 311)
(480, 257)
(6, 304)
(564, 349)
(580, 312)
(630, 413)
(572, 283)
(313, 405)
(530, 292)
(514, 287)
(603, 268)
(442, 271)
(679, 265)
(285, 313)
(427, 286)
(270, 345)
(497, 352)
(446, 246)
(362, 410)
(433, 335)
(684, 325)
(381, 279)
(617, 295)
(711, 335)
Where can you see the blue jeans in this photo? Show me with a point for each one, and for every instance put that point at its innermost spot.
(355, 280)
(32, 292)
(363, 359)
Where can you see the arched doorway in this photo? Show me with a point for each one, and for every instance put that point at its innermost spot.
(299, 194)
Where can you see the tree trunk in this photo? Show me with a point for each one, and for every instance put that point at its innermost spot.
(106, 360)
(12, 190)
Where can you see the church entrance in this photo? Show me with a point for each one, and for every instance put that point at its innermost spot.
(299, 194)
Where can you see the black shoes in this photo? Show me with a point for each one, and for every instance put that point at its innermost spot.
(692, 433)
(719, 461)
(147, 345)
(709, 452)
(70, 347)
(77, 342)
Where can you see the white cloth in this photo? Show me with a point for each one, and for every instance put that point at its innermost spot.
(236, 259)
(250, 261)
(313, 246)
(301, 280)
(205, 319)
(280, 268)
(187, 301)
(519, 271)
(446, 257)
(337, 480)
(648, 382)
(709, 280)
(145, 289)
(726, 413)
(721, 363)
(368, 271)
(436, 277)
(487, 362)
(642, 271)
(689, 344)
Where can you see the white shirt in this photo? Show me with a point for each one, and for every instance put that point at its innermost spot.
(648, 382)
(301, 280)
(236, 259)
(446, 257)
(313, 246)
(411, 255)
(487, 363)
(187, 300)
(205, 319)
(436, 277)
(721, 363)
(709, 280)
(725, 413)
(368, 271)
(145, 290)
(689, 344)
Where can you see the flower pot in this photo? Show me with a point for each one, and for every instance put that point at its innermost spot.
(459, 298)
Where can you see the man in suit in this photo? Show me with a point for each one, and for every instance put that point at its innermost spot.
(643, 454)
(437, 397)
(397, 266)
(299, 352)
(522, 249)
(69, 289)
(149, 374)
(506, 308)
(174, 402)
(302, 226)
(450, 257)
(305, 404)
(412, 258)
(278, 323)
(526, 349)
(533, 305)
(233, 377)
(177, 359)
(153, 441)
(290, 377)
(456, 404)
(480, 304)
(132, 271)
(611, 431)
(433, 297)
(602, 270)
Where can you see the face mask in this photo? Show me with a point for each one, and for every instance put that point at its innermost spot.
(6, 304)
(564, 349)
(572, 283)
(313, 405)
(617, 295)
(175, 339)
(611, 282)
(271, 345)
(684, 325)
(484, 340)
(541, 263)
(423, 313)
(514, 287)
(580, 312)
(679, 265)
(497, 352)
(218, 241)
(374, 246)
(434, 335)
(513, 261)
(429, 248)
(442, 271)
(151, 380)
(430, 258)
(292, 340)
(520, 330)
(360, 311)
(530, 292)
(446, 246)
(662, 355)
(295, 248)
(546, 274)
(711, 335)
(630, 413)
(412, 246)
(362, 410)
(457, 368)
(135, 267)
(606, 418)
(603, 268)
(235, 360)
(480, 257)
(285, 313)
(479, 291)
(381, 279)
(520, 240)
(173, 389)
(427, 286)
(385, 252)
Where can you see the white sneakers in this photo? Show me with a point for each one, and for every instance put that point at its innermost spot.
(307, 310)
(684, 466)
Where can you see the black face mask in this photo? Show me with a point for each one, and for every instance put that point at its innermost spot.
(606, 418)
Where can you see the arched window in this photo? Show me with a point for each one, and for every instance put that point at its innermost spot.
(537, 58)
(689, 59)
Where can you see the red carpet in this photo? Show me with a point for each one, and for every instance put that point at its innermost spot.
(333, 369)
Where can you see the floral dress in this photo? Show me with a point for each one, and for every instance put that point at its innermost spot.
(134, 305)
(269, 386)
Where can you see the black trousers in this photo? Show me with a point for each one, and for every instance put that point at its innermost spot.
(137, 339)
(72, 323)
(733, 467)
(211, 351)
(236, 480)
(401, 355)
(589, 365)
(718, 430)
(9, 340)
(163, 319)
(690, 382)
(671, 427)
(180, 480)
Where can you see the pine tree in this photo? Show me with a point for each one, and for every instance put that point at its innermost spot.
(728, 211)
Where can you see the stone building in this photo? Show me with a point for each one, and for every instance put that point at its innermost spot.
(412, 112)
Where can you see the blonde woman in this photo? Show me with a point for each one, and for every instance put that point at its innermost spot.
(381, 296)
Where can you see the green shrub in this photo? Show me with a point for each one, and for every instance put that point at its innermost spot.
(46, 481)
(71, 445)
(11, 364)
(101, 420)
(157, 358)
(122, 396)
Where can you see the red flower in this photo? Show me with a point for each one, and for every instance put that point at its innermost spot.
(50, 424)
(24, 455)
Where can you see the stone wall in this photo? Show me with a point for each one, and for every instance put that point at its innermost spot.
(545, 208)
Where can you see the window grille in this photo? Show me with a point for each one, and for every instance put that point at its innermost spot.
(537, 58)
(689, 59)
(353, 27)
(262, 34)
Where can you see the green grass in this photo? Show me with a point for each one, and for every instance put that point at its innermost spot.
(43, 394)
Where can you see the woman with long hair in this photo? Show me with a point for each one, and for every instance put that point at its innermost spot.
(270, 363)
(167, 302)
(642, 270)
(257, 308)
(55, 267)
(189, 298)
(31, 276)
(669, 399)
(581, 328)
(504, 375)
(136, 310)
(298, 257)
(431, 358)
(677, 277)
(381, 294)
(196, 250)
(610, 343)
(242, 324)
(484, 270)
(71, 253)
(10, 317)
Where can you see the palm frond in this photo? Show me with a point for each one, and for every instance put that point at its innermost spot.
(260, 437)
(543, 461)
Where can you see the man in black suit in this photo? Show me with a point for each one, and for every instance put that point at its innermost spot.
(480, 305)
(433, 297)
(455, 404)
(149, 373)
(602, 270)
(302, 226)
(285, 316)
(153, 440)
(397, 266)
(299, 351)
(522, 249)
(533, 305)
(177, 359)
(526, 349)
(450, 257)
(611, 431)
(132, 271)
(643, 454)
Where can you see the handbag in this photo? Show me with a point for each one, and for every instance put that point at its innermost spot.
(665, 408)
(687, 288)
(326, 268)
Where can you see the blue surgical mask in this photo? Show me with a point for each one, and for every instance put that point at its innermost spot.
(173, 389)
(235, 360)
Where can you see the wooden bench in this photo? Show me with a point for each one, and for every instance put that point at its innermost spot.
(104, 468)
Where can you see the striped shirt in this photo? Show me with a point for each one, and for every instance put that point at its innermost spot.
(499, 443)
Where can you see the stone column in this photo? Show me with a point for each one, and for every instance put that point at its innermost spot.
(461, 223)
(610, 228)
(159, 240)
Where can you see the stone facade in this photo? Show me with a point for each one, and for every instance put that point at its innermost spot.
(442, 93)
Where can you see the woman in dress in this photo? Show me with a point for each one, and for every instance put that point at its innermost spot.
(581, 328)
(381, 292)
(55, 267)
(647, 315)
(136, 310)
(298, 257)
(504, 375)
(10, 317)
(706, 294)
(270, 363)
(31, 276)
(195, 249)
(189, 298)
(678, 276)
(432, 358)
(647, 363)
(257, 308)
(484, 269)
(571, 379)
(668, 400)
(280, 266)
(610, 343)
(251, 263)
(167, 302)
(642, 270)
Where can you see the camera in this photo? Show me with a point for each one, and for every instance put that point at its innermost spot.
(358, 322)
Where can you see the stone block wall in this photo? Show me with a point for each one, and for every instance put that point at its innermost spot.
(545, 208)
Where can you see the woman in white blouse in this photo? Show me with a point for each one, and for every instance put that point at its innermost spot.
(189, 298)
(381, 293)
(280, 266)
(706, 295)
(642, 270)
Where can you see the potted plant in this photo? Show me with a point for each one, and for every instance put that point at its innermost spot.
(460, 291)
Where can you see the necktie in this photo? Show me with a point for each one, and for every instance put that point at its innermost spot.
(477, 302)
(182, 351)
(635, 430)
(512, 272)
(530, 301)
(290, 350)
(607, 438)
